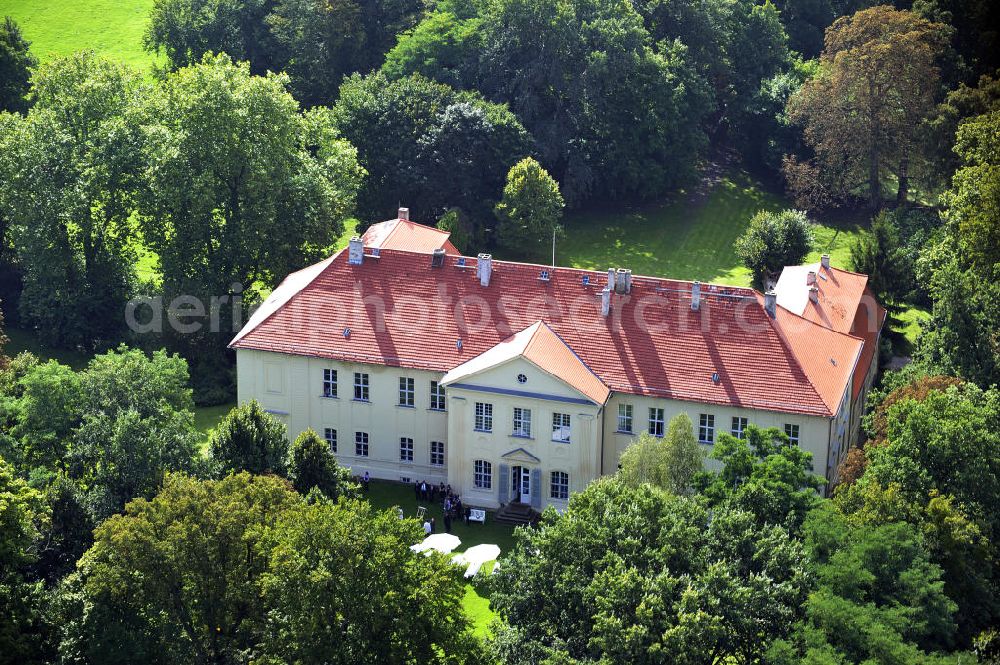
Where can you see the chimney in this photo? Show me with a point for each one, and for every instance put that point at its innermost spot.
(611, 278)
(825, 261)
(404, 214)
(437, 257)
(484, 268)
(771, 303)
(814, 294)
(606, 301)
(623, 281)
(696, 296)
(810, 278)
(355, 251)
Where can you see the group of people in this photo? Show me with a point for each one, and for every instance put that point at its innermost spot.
(429, 492)
(450, 502)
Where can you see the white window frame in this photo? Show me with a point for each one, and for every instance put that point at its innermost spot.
(561, 428)
(482, 474)
(625, 423)
(361, 441)
(706, 428)
(405, 449)
(484, 417)
(330, 436)
(739, 426)
(559, 485)
(437, 453)
(657, 417)
(329, 382)
(362, 387)
(438, 402)
(789, 429)
(407, 391)
(521, 423)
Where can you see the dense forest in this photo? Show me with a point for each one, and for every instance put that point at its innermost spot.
(272, 126)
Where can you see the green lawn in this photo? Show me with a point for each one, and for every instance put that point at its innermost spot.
(687, 239)
(389, 495)
(910, 321)
(207, 417)
(112, 28)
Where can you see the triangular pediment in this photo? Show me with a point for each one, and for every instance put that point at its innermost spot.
(520, 455)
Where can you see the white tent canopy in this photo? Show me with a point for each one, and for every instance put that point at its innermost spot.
(475, 557)
(437, 542)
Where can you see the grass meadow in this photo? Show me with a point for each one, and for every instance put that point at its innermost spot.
(113, 28)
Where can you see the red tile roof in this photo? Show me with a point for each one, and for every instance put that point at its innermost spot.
(541, 346)
(398, 310)
(408, 236)
(844, 303)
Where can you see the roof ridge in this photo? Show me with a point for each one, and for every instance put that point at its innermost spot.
(252, 325)
(575, 354)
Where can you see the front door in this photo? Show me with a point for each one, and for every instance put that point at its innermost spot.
(521, 483)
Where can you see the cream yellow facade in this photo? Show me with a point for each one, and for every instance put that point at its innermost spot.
(543, 440)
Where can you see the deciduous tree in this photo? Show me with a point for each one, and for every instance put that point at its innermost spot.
(16, 63)
(312, 465)
(208, 572)
(671, 583)
(250, 439)
(73, 168)
(773, 241)
(670, 463)
(974, 199)
(243, 189)
(185, 30)
(529, 210)
(321, 42)
(879, 596)
(861, 112)
(429, 146)
(763, 474)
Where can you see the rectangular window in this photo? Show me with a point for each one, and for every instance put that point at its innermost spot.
(405, 391)
(625, 418)
(560, 427)
(330, 435)
(484, 417)
(437, 396)
(361, 444)
(437, 453)
(793, 433)
(405, 449)
(739, 424)
(361, 386)
(329, 383)
(482, 474)
(522, 422)
(560, 485)
(706, 428)
(656, 421)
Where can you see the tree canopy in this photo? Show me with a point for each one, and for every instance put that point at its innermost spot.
(311, 465)
(73, 168)
(530, 208)
(250, 439)
(16, 63)
(773, 241)
(860, 114)
(634, 574)
(670, 463)
(429, 146)
(208, 571)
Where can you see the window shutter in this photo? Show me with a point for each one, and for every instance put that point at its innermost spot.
(536, 489)
(504, 483)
